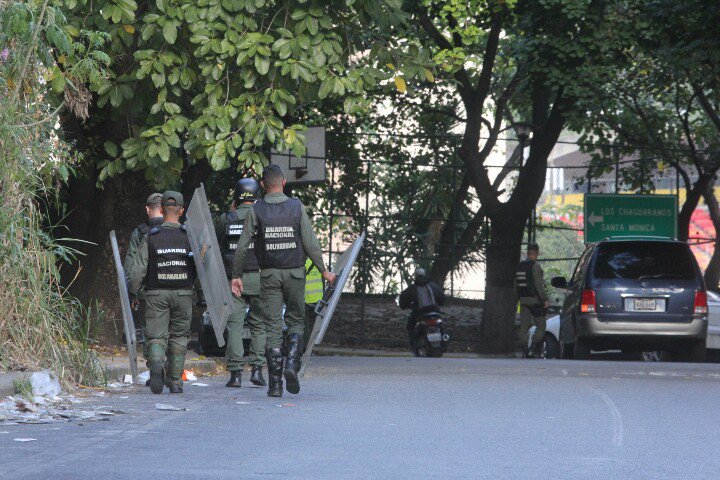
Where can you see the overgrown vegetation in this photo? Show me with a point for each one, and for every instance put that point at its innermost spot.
(41, 326)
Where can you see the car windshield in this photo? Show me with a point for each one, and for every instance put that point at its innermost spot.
(644, 260)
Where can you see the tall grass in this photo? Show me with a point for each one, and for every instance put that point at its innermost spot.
(41, 325)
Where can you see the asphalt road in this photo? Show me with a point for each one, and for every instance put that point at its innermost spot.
(401, 418)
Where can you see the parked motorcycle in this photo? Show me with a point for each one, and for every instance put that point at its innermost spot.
(430, 337)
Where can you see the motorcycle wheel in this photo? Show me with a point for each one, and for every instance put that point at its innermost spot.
(422, 348)
(435, 352)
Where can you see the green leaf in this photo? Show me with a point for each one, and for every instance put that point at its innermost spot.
(111, 148)
(170, 32)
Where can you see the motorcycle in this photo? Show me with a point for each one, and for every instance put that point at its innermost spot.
(430, 337)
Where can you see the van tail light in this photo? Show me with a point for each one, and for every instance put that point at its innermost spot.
(587, 302)
(701, 305)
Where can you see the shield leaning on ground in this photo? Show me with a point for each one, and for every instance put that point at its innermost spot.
(331, 296)
(129, 325)
(209, 262)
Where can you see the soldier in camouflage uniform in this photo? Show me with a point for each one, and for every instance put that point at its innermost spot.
(283, 237)
(164, 265)
(533, 299)
(155, 218)
(228, 229)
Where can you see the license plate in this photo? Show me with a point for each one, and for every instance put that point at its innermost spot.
(434, 337)
(645, 304)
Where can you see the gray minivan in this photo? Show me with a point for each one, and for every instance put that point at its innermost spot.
(635, 294)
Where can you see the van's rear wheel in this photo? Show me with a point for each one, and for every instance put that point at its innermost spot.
(697, 352)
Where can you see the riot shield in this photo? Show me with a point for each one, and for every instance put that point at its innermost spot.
(331, 296)
(129, 325)
(209, 262)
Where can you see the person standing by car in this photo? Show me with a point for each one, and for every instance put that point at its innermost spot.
(423, 296)
(530, 284)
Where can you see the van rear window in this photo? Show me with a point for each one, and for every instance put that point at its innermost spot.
(644, 260)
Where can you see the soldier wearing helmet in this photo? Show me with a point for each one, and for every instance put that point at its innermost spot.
(229, 228)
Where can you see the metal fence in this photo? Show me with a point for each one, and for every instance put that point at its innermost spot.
(404, 202)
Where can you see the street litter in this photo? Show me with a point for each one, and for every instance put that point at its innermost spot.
(243, 403)
(45, 383)
(17, 410)
(127, 378)
(171, 408)
(26, 439)
(198, 384)
(143, 377)
(188, 376)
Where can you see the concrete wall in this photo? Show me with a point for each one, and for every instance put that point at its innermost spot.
(384, 323)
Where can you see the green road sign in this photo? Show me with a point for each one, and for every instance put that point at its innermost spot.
(629, 216)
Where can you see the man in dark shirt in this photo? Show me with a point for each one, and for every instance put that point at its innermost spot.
(423, 296)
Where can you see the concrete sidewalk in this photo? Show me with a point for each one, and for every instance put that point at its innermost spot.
(116, 367)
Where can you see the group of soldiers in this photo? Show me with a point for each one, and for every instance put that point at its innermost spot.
(272, 259)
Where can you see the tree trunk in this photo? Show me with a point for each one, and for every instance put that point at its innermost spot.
(93, 214)
(692, 198)
(712, 273)
(497, 330)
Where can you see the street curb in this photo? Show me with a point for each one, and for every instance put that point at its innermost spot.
(116, 371)
(360, 352)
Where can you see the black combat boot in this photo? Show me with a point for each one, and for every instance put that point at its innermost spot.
(235, 377)
(274, 358)
(256, 376)
(157, 372)
(175, 388)
(292, 363)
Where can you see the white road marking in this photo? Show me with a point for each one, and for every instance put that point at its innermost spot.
(618, 434)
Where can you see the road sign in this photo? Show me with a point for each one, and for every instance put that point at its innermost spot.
(331, 296)
(209, 263)
(128, 324)
(629, 216)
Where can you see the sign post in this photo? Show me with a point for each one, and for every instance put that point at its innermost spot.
(629, 216)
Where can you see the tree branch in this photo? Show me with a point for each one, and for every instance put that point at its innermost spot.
(706, 105)
(461, 75)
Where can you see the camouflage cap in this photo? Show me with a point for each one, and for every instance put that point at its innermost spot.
(154, 200)
(172, 199)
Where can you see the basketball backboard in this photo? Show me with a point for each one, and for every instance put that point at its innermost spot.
(308, 169)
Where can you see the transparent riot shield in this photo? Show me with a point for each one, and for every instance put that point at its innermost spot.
(331, 296)
(209, 262)
(129, 325)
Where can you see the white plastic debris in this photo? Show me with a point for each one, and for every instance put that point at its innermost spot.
(143, 377)
(190, 376)
(127, 378)
(16, 410)
(45, 384)
(170, 408)
(26, 439)
(198, 384)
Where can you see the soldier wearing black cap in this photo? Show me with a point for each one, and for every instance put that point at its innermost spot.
(228, 229)
(533, 299)
(164, 265)
(283, 237)
(155, 218)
